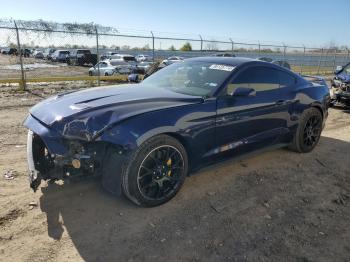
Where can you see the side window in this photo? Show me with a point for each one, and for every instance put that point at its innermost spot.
(286, 79)
(260, 78)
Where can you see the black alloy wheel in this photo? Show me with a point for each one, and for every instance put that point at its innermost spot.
(160, 173)
(312, 131)
(155, 172)
(308, 132)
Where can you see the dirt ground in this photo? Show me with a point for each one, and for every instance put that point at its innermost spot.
(274, 206)
(34, 68)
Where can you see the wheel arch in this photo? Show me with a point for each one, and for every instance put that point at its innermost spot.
(319, 108)
(172, 133)
(183, 142)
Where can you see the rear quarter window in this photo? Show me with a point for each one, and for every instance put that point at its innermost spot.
(259, 78)
(286, 80)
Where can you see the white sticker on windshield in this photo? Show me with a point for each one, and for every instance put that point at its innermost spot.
(222, 67)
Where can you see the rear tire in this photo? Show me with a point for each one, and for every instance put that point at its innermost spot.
(155, 172)
(308, 132)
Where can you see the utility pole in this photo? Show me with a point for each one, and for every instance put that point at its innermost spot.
(23, 83)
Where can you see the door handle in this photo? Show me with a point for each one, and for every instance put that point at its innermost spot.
(286, 102)
(281, 102)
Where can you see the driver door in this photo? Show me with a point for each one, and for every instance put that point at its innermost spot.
(245, 123)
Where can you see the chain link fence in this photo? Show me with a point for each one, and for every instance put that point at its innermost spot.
(36, 51)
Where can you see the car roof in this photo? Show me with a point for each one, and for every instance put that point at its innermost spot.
(233, 61)
(106, 61)
(123, 55)
(237, 61)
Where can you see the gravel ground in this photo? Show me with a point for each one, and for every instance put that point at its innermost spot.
(10, 68)
(274, 206)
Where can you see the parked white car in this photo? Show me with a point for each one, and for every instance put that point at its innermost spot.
(106, 69)
(172, 59)
(143, 58)
(130, 59)
(123, 67)
(144, 66)
(48, 53)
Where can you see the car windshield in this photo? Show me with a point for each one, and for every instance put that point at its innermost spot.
(129, 58)
(84, 51)
(190, 77)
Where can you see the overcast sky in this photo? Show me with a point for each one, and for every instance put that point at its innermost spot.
(313, 23)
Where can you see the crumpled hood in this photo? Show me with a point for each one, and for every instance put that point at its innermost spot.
(86, 113)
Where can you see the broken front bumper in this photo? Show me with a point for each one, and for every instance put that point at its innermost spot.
(340, 92)
(52, 156)
(33, 174)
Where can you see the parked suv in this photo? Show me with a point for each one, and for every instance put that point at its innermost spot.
(60, 56)
(9, 51)
(48, 53)
(25, 52)
(81, 57)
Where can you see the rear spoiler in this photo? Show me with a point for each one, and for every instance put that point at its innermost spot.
(315, 80)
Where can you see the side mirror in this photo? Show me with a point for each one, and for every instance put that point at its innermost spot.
(338, 69)
(244, 91)
(133, 78)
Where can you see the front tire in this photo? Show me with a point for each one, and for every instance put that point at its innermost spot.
(308, 132)
(155, 172)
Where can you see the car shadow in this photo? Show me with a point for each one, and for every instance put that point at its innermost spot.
(103, 227)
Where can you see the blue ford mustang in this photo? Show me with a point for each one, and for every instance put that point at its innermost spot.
(144, 139)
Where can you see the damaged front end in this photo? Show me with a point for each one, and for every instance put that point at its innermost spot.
(54, 157)
(79, 160)
(340, 91)
(86, 133)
